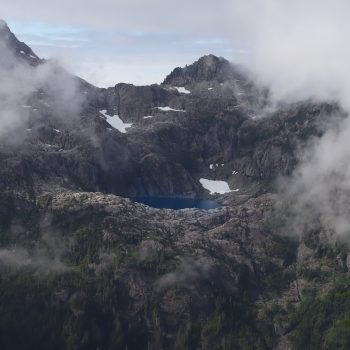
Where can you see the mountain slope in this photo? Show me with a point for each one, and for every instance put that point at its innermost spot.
(22, 51)
(93, 270)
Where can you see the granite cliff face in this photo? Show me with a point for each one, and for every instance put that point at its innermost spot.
(93, 270)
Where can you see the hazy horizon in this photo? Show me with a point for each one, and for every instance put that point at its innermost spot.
(135, 42)
(147, 72)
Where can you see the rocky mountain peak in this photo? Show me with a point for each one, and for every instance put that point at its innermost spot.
(207, 68)
(5, 32)
(211, 60)
(20, 49)
(2, 24)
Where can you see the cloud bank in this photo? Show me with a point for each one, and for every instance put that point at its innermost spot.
(300, 49)
(196, 16)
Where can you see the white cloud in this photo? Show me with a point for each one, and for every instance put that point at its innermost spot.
(300, 48)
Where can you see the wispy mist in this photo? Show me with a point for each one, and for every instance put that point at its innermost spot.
(300, 50)
(21, 84)
(44, 258)
(188, 272)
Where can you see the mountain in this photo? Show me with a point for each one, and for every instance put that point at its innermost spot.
(85, 266)
(207, 68)
(20, 49)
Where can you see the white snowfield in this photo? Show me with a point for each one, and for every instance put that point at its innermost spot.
(182, 90)
(116, 122)
(168, 109)
(147, 117)
(213, 186)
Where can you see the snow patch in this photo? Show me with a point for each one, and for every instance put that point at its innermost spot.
(212, 166)
(234, 172)
(167, 109)
(213, 186)
(210, 89)
(116, 122)
(147, 117)
(182, 90)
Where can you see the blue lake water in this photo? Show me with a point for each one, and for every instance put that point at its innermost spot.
(177, 203)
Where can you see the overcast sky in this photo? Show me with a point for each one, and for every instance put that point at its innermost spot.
(138, 41)
(299, 45)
